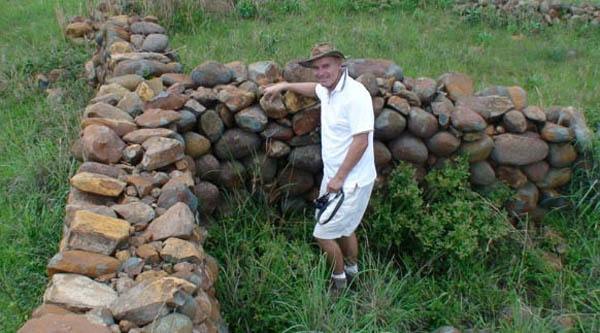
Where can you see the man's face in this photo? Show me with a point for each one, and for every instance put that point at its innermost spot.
(327, 70)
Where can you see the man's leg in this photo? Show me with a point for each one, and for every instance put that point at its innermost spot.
(335, 258)
(349, 247)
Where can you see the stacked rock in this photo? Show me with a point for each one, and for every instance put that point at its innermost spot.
(159, 145)
(131, 258)
(549, 12)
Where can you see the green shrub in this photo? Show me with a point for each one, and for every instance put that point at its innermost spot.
(246, 8)
(448, 219)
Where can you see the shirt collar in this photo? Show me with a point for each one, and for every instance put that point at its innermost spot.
(342, 82)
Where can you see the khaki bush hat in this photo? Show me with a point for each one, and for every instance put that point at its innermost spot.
(321, 50)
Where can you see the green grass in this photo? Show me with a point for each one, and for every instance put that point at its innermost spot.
(34, 158)
(273, 276)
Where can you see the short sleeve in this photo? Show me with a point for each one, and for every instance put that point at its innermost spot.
(360, 114)
(319, 91)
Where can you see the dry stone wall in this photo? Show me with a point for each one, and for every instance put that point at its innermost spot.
(549, 12)
(158, 147)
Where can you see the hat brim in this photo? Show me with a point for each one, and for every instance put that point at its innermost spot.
(308, 62)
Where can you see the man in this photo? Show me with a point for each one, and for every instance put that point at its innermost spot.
(347, 151)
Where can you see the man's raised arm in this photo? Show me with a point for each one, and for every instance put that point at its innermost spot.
(302, 88)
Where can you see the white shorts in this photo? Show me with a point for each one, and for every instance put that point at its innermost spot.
(348, 216)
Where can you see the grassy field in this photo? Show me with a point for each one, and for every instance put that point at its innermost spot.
(273, 278)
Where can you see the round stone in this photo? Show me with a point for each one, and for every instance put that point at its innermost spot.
(465, 120)
(211, 125)
(409, 148)
(383, 156)
(514, 121)
(443, 144)
(196, 144)
(562, 155)
(514, 149)
(482, 173)
(252, 119)
(389, 125)
(211, 73)
(155, 43)
(236, 143)
(478, 150)
(422, 123)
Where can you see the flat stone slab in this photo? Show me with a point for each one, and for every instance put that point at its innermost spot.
(97, 233)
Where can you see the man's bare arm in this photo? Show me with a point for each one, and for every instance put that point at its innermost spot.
(303, 88)
(355, 152)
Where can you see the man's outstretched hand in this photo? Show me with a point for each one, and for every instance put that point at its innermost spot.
(274, 89)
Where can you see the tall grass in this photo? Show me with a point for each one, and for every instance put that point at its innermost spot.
(273, 276)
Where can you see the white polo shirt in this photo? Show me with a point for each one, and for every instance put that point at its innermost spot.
(347, 111)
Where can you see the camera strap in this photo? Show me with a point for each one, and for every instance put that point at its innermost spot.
(340, 195)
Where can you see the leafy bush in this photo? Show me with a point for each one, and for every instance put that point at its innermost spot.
(246, 8)
(448, 218)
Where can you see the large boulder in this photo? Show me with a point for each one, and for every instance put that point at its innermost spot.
(518, 150)
(211, 73)
(236, 143)
(389, 125)
(409, 148)
(67, 290)
(378, 67)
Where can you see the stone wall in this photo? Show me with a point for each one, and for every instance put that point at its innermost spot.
(549, 12)
(159, 146)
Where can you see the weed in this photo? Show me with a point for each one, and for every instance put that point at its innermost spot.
(246, 9)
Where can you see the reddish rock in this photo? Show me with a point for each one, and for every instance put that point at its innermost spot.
(536, 172)
(46, 309)
(527, 198)
(306, 121)
(466, 120)
(556, 133)
(81, 262)
(425, 88)
(169, 79)
(296, 102)
(66, 323)
(161, 152)
(369, 81)
(514, 177)
(78, 29)
(177, 221)
(167, 101)
(443, 143)
(556, 178)
(176, 250)
(98, 184)
(239, 70)
(96, 233)
(121, 127)
(137, 213)
(66, 290)
(153, 118)
(378, 67)
(562, 155)
(456, 85)
(100, 168)
(235, 98)
(489, 107)
(514, 149)
(263, 72)
(101, 144)
(141, 135)
(106, 111)
(276, 148)
(294, 72)
(277, 132)
(273, 106)
(535, 113)
(143, 185)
